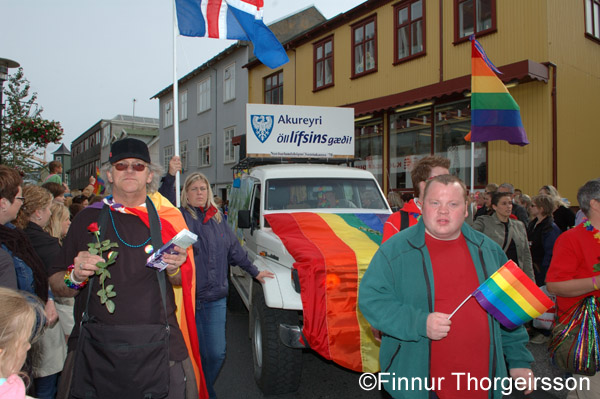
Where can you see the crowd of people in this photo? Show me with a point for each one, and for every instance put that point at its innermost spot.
(72, 273)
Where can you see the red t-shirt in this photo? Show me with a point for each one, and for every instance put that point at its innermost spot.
(575, 253)
(466, 348)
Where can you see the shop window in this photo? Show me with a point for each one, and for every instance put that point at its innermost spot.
(474, 17)
(274, 88)
(452, 123)
(410, 30)
(410, 140)
(368, 133)
(592, 19)
(323, 64)
(364, 45)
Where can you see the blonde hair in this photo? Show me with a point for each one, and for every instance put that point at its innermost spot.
(191, 179)
(553, 192)
(22, 318)
(59, 214)
(36, 197)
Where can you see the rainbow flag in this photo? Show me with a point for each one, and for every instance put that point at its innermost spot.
(511, 297)
(494, 113)
(332, 253)
(99, 186)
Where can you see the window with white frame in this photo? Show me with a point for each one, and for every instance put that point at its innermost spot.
(592, 18)
(167, 155)
(204, 95)
(183, 154)
(229, 83)
(204, 150)
(229, 152)
(183, 106)
(168, 114)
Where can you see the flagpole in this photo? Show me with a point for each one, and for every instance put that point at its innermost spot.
(459, 306)
(472, 166)
(175, 104)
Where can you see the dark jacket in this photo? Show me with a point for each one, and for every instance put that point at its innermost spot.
(397, 293)
(217, 248)
(541, 240)
(564, 218)
(46, 246)
(520, 213)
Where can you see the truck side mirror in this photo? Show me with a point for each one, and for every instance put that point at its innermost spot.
(244, 221)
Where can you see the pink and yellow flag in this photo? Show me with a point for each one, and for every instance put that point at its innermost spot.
(332, 253)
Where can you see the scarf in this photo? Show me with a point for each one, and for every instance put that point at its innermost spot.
(18, 243)
(172, 222)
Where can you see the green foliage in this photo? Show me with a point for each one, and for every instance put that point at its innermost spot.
(98, 248)
(24, 136)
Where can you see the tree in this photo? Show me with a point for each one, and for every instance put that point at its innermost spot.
(25, 133)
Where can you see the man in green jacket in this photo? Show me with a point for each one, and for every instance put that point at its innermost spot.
(414, 282)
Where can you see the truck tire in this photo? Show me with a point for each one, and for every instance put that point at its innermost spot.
(277, 368)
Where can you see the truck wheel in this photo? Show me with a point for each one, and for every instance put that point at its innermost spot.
(277, 368)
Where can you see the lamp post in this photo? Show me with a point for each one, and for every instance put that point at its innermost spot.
(4, 65)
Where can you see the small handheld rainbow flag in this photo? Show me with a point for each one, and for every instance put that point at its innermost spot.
(99, 184)
(511, 297)
(494, 113)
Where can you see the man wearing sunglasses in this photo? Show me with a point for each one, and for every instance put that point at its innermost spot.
(134, 207)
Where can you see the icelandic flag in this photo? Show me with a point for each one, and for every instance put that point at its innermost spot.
(234, 20)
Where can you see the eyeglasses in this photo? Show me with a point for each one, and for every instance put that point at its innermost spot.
(20, 198)
(121, 166)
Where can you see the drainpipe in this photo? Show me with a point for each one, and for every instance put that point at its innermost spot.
(554, 126)
(441, 40)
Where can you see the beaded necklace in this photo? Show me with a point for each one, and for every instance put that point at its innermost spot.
(595, 232)
(119, 236)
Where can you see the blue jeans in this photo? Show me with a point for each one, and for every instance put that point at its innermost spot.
(210, 322)
(45, 387)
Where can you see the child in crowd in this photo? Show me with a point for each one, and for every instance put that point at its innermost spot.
(20, 323)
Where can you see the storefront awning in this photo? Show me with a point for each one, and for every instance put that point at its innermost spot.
(522, 72)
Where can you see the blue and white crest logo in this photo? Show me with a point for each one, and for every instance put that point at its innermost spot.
(262, 126)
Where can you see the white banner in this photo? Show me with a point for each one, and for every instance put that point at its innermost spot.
(299, 131)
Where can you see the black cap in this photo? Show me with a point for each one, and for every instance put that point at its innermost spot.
(128, 148)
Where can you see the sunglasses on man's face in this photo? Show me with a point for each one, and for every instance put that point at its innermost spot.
(121, 166)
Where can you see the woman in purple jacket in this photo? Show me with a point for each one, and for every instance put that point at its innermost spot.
(217, 248)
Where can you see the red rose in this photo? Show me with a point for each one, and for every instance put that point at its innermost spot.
(93, 227)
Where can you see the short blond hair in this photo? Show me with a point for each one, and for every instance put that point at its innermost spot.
(22, 318)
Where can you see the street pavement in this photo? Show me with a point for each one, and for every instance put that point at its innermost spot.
(322, 379)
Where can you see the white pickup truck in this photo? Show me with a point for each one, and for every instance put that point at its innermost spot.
(277, 317)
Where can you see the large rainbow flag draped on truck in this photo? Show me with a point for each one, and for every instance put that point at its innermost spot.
(332, 252)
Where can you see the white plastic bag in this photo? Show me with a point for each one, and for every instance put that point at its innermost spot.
(546, 320)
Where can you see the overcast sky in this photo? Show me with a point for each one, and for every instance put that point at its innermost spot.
(88, 59)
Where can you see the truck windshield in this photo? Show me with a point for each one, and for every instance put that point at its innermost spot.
(313, 193)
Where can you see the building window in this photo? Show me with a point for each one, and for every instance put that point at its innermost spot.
(364, 44)
(229, 152)
(452, 122)
(369, 145)
(410, 140)
(183, 106)
(183, 154)
(323, 60)
(167, 155)
(274, 88)
(592, 18)
(204, 95)
(229, 83)
(204, 150)
(474, 17)
(168, 115)
(410, 29)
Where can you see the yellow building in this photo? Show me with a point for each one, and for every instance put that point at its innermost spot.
(404, 66)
